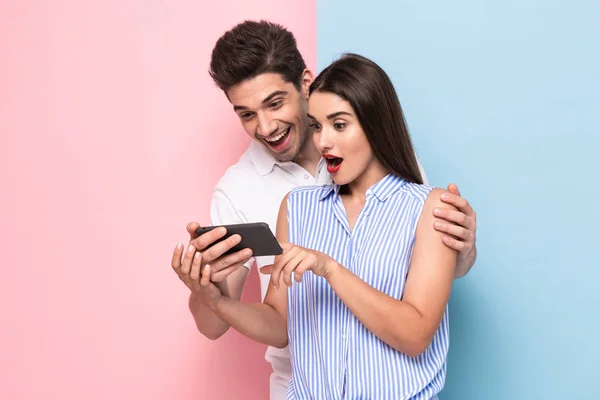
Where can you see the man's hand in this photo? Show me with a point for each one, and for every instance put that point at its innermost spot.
(221, 266)
(188, 269)
(460, 229)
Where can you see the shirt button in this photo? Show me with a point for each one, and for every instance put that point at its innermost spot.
(367, 213)
(305, 176)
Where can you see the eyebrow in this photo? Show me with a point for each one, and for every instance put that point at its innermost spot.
(265, 101)
(332, 116)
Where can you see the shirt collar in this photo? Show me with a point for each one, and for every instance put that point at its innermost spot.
(262, 158)
(382, 189)
(264, 161)
(328, 189)
(387, 186)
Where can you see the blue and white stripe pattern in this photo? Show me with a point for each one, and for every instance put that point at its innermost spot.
(333, 354)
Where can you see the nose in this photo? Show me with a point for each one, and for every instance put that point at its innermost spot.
(266, 126)
(323, 140)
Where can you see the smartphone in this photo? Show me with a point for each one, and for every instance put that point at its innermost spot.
(256, 236)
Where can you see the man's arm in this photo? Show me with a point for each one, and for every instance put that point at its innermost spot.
(187, 263)
(227, 272)
(267, 322)
(208, 322)
(262, 322)
(459, 225)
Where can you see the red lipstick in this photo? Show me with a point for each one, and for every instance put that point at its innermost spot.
(333, 163)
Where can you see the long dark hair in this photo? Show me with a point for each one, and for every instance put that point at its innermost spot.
(370, 92)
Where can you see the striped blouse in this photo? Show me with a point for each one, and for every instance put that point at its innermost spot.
(334, 356)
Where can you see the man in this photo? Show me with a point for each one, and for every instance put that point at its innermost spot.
(260, 70)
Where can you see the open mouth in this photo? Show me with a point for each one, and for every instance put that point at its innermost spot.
(333, 163)
(278, 140)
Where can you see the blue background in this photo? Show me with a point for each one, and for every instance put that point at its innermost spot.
(503, 98)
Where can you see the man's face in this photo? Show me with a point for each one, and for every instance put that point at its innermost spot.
(273, 112)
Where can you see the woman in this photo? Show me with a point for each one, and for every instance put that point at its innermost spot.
(370, 320)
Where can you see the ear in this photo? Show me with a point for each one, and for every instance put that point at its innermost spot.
(307, 80)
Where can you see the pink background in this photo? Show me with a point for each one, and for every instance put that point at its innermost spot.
(112, 136)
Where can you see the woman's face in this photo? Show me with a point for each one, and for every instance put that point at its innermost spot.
(340, 139)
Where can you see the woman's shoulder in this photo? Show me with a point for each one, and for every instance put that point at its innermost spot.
(312, 191)
(427, 196)
(417, 191)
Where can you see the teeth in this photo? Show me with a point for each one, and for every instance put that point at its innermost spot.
(276, 138)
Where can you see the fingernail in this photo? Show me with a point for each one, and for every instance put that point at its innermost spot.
(247, 253)
(437, 211)
(191, 249)
(179, 245)
(237, 238)
(445, 196)
(437, 225)
(197, 255)
(222, 231)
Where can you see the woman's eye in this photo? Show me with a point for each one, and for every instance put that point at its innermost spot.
(339, 125)
(315, 126)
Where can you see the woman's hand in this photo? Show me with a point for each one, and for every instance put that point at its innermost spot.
(298, 260)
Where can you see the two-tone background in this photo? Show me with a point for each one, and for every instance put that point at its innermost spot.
(112, 135)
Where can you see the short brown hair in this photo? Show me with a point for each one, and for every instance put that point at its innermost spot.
(252, 48)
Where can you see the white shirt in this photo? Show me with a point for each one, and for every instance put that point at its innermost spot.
(252, 191)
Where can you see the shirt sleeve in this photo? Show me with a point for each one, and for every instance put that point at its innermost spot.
(223, 212)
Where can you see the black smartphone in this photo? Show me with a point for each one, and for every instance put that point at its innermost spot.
(256, 236)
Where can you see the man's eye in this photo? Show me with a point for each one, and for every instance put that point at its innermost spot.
(246, 115)
(275, 104)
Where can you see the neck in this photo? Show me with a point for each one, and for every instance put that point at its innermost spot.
(308, 158)
(373, 174)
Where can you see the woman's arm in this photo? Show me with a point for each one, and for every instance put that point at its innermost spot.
(258, 321)
(409, 324)
(264, 322)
